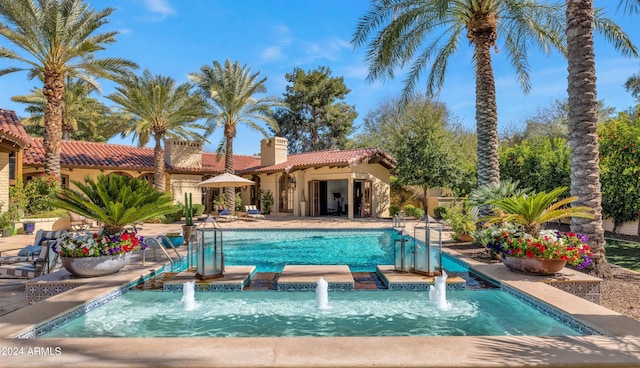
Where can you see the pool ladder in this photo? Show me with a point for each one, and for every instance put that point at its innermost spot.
(157, 243)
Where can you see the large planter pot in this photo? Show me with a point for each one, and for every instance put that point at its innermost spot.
(176, 240)
(29, 227)
(534, 266)
(95, 266)
(188, 231)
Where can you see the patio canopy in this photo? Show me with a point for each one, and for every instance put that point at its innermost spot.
(225, 180)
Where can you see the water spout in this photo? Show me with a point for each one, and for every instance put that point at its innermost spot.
(438, 294)
(188, 295)
(322, 294)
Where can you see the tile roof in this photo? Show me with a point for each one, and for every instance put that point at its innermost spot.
(329, 157)
(12, 129)
(96, 155)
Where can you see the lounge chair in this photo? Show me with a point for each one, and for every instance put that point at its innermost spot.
(79, 222)
(46, 261)
(223, 214)
(29, 253)
(253, 212)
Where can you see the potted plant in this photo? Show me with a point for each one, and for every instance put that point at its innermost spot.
(88, 254)
(462, 221)
(115, 201)
(266, 201)
(28, 226)
(188, 228)
(518, 235)
(176, 239)
(8, 219)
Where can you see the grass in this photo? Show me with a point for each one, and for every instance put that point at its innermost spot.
(624, 254)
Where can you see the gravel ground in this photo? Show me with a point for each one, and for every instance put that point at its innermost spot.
(621, 294)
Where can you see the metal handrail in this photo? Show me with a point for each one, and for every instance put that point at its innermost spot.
(150, 241)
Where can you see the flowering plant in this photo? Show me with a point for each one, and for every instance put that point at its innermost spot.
(89, 244)
(549, 244)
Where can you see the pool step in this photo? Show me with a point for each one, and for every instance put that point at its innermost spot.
(412, 281)
(305, 277)
(235, 278)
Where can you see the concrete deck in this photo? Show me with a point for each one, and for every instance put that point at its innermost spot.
(412, 281)
(305, 278)
(234, 279)
(620, 347)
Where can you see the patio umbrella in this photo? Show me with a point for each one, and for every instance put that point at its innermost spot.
(225, 180)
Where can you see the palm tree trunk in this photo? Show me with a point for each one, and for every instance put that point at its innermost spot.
(54, 93)
(158, 163)
(486, 112)
(583, 135)
(230, 192)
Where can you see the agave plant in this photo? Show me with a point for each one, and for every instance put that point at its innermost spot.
(114, 200)
(481, 196)
(531, 211)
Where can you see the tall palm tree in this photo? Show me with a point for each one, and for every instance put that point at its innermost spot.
(83, 117)
(159, 108)
(231, 89)
(441, 25)
(55, 38)
(583, 119)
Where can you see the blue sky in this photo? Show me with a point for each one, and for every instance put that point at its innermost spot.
(176, 37)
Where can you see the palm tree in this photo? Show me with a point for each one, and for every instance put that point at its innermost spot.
(57, 38)
(405, 25)
(114, 200)
(83, 117)
(159, 108)
(583, 119)
(231, 89)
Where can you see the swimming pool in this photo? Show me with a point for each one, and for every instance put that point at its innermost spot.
(271, 250)
(380, 313)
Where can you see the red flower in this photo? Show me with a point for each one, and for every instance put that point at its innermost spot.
(85, 250)
(529, 253)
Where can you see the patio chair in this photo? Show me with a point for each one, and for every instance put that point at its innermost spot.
(79, 222)
(46, 262)
(253, 212)
(29, 253)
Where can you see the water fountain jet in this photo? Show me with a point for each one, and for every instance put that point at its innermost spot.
(438, 294)
(322, 294)
(188, 295)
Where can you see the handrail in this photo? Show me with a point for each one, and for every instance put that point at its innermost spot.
(156, 244)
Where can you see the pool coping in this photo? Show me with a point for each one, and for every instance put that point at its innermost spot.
(619, 346)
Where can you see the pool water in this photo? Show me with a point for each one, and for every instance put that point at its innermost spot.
(379, 313)
(270, 251)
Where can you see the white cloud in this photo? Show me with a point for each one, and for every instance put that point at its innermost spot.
(272, 53)
(161, 7)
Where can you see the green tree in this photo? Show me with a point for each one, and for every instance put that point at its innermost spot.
(417, 137)
(56, 38)
(632, 85)
(316, 117)
(583, 135)
(541, 163)
(158, 108)
(115, 200)
(83, 117)
(441, 26)
(232, 89)
(620, 168)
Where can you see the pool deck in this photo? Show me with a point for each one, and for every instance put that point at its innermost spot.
(618, 347)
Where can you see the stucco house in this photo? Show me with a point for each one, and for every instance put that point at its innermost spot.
(352, 183)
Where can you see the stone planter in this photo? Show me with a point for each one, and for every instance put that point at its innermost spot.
(534, 266)
(95, 266)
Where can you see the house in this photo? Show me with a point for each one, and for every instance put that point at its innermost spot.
(352, 183)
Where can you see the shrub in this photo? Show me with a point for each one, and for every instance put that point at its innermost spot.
(412, 211)
(439, 212)
(393, 210)
(198, 209)
(461, 219)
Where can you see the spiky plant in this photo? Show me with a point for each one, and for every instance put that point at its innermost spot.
(532, 211)
(480, 197)
(114, 200)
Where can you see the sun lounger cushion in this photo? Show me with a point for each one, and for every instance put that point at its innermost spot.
(253, 212)
(224, 212)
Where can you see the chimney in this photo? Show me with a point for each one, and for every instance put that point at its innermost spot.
(273, 151)
(178, 153)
